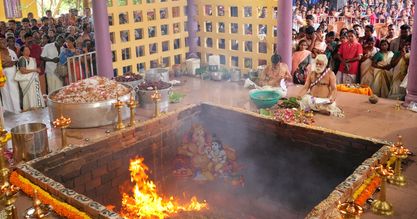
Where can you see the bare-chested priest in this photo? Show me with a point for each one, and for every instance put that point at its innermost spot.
(319, 91)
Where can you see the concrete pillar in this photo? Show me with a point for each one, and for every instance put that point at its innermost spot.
(102, 39)
(412, 70)
(192, 27)
(284, 35)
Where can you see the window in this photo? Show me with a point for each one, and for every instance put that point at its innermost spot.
(222, 60)
(140, 67)
(208, 26)
(124, 36)
(262, 62)
(110, 20)
(248, 46)
(175, 12)
(154, 63)
(151, 15)
(262, 12)
(125, 53)
(166, 61)
(235, 61)
(123, 19)
(176, 27)
(137, 16)
(262, 47)
(109, 3)
(220, 10)
(177, 59)
(221, 27)
(13, 9)
(136, 2)
(165, 46)
(222, 43)
(233, 11)
(248, 29)
(138, 34)
(234, 45)
(151, 31)
(163, 13)
(209, 42)
(263, 29)
(234, 28)
(177, 43)
(122, 2)
(113, 56)
(247, 11)
(112, 37)
(164, 29)
(153, 48)
(140, 51)
(275, 13)
(127, 69)
(208, 10)
(248, 63)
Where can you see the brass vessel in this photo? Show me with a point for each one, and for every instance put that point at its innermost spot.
(400, 153)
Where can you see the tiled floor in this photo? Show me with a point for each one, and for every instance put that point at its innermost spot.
(380, 121)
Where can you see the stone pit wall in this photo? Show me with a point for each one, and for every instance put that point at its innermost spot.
(97, 170)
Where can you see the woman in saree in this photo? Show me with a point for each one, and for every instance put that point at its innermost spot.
(301, 60)
(31, 89)
(66, 53)
(400, 63)
(369, 51)
(382, 70)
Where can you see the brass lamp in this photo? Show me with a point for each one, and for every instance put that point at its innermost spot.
(400, 153)
(39, 210)
(63, 123)
(119, 105)
(381, 206)
(349, 210)
(156, 97)
(132, 105)
(8, 191)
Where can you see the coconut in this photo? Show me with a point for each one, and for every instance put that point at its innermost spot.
(373, 99)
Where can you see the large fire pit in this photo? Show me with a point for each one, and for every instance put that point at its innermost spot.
(265, 168)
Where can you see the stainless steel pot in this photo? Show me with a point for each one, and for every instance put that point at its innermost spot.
(146, 101)
(87, 115)
(157, 74)
(235, 75)
(216, 76)
(29, 141)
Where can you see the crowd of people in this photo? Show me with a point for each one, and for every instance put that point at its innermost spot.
(366, 42)
(34, 55)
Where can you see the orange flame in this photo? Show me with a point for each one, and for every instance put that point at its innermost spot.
(146, 203)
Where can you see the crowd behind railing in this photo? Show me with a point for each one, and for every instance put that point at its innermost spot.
(366, 42)
(40, 56)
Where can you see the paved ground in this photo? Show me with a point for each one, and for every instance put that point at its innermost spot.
(380, 121)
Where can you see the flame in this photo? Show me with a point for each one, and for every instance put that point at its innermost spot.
(146, 203)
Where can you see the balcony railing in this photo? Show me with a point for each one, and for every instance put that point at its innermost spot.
(81, 66)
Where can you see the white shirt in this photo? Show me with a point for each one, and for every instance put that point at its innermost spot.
(50, 51)
(12, 55)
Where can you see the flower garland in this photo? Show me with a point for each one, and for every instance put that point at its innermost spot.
(368, 187)
(61, 208)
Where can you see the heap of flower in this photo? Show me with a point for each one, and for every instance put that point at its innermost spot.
(61, 208)
(293, 116)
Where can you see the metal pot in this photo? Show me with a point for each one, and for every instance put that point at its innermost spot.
(87, 115)
(216, 76)
(145, 100)
(157, 74)
(29, 141)
(235, 75)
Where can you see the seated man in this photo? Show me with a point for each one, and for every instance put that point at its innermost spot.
(321, 88)
(273, 77)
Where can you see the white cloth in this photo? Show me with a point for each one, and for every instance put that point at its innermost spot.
(282, 90)
(32, 95)
(54, 82)
(10, 91)
(309, 102)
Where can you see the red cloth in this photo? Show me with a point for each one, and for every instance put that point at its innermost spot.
(349, 51)
(35, 52)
